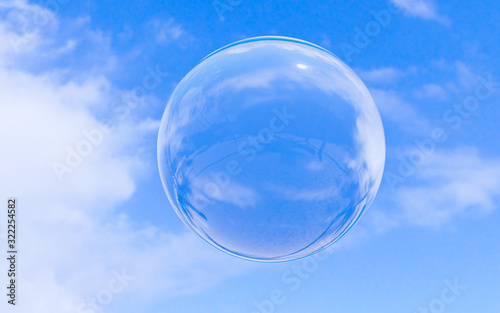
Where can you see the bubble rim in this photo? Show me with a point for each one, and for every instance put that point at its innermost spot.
(198, 231)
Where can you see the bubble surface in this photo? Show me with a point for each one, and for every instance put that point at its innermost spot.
(271, 148)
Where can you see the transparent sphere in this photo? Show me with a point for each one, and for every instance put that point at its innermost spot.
(271, 148)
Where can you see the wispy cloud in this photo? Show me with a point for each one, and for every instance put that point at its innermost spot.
(425, 9)
(448, 183)
(168, 31)
(401, 95)
(451, 184)
(73, 234)
(431, 91)
(383, 75)
(395, 109)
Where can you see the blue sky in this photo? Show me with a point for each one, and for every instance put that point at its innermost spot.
(432, 69)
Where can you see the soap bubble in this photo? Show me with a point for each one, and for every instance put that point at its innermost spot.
(271, 148)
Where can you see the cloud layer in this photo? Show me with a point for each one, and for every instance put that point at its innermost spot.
(71, 173)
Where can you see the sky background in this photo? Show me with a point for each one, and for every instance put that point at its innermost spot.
(69, 67)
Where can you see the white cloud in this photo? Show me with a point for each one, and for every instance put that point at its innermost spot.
(393, 108)
(22, 25)
(449, 184)
(72, 235)
(168, 31)
(459, 182)
(421, 8)
(407, 92)
(150, 125)
(466, 77)
(382, 75)
(431, 91)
